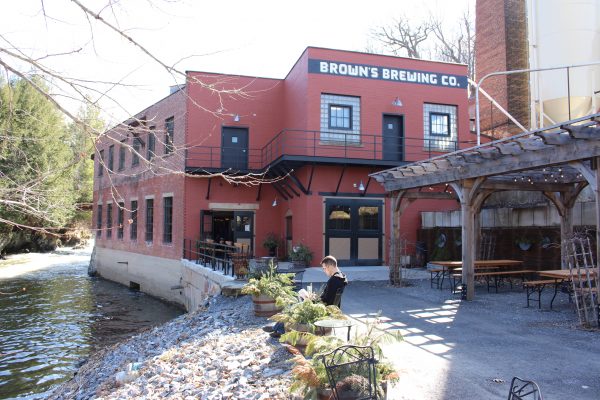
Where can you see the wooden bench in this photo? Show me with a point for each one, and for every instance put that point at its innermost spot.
(538, 286)
(495, 275)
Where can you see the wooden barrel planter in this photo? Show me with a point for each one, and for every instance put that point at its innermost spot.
(264, 306)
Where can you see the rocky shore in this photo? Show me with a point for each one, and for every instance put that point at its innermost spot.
(220, 353)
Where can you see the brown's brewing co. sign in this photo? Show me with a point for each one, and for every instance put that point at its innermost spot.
(386, 73)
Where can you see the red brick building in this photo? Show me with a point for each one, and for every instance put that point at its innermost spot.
(334, 119)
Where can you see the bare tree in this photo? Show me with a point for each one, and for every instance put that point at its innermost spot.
(403, 37)
(17, 61)
(414, 39)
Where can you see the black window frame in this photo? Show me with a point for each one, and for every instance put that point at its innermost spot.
(439, 114)
(122, 155)
(168, 219)
(120, 220)
(99, 221)
(109, 221)
(101, 162)
(350, 115)
(137, 149)
(169, 135)
(149, 234)
(133, 216)
(151, 149)
(111, 158)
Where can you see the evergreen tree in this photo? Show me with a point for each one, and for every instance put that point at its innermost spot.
(36, 163)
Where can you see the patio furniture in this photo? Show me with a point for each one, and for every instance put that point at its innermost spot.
(351, 372)
(538, 286)
(521, 389)
(326, 324)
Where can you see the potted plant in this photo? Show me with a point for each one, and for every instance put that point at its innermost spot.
(300, 255)
(299, 319)
(270, 291)
(271, 243)
(524, 243)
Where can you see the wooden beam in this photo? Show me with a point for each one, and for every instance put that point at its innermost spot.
(312, 171)
(555, 138)
(259, 191)
(337, 189)
(208, 188)
(582, 132)
(577, 150)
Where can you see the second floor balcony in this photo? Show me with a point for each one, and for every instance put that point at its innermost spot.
(296, 147)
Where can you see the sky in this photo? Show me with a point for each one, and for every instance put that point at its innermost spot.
(256, 38)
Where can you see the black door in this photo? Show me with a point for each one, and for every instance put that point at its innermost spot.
(206, 224)
(243, 227)
(234, 148)
(393, 137)
(353, 232)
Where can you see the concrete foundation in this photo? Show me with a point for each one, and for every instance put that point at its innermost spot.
(177, 281)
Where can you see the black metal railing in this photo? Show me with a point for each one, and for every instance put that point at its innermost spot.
(320, 144)
(218, 256)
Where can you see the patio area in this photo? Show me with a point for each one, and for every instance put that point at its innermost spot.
(464, 350)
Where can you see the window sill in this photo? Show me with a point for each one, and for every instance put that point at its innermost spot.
(340, 143)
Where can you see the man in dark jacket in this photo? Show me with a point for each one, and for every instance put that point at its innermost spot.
(334, 288)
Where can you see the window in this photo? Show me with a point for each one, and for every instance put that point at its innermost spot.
(151, 144)
(169, 135)
(99, 221)
(340, 117)
(339, 217)
(440, 127)
(133, 220)
(167, 219)
(137, 149)
(122, 156)
(101, 163)
(149, 219)
(109, 220)
(439, 124)
(120, 217)
(111, 157)
(368, 218)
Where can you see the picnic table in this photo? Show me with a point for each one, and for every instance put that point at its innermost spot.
(557, 278)
(446, 268)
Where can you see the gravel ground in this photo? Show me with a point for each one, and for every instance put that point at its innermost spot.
(221, 353)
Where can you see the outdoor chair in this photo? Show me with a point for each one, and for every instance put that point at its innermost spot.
(351, 372)
(524, 390)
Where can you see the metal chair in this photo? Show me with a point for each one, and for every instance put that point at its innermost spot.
(351, 373)
(524, 390)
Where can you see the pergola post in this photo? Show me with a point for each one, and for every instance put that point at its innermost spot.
(597, 197)
(399, 204)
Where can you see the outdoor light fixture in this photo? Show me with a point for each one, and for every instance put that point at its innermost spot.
(397, 102)
(361, 187)
(274, 202)
(236, 118)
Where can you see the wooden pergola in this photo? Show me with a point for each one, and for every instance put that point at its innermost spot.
(559, 161)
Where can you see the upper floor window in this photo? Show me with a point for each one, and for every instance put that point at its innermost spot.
(439, 124)
(101, 163)
(169, 135)
(340, 119)
(440, 127)
(137, 148)
(111, 157)
(122, 156)
(151, 144)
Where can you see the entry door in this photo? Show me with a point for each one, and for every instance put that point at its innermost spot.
(243, 227)
(393, 138)
(234, 148)
(353, 231)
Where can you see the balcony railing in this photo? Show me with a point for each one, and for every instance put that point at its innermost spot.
(320, 145)
(218, 256)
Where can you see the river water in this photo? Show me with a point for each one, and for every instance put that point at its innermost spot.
(53, 315)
